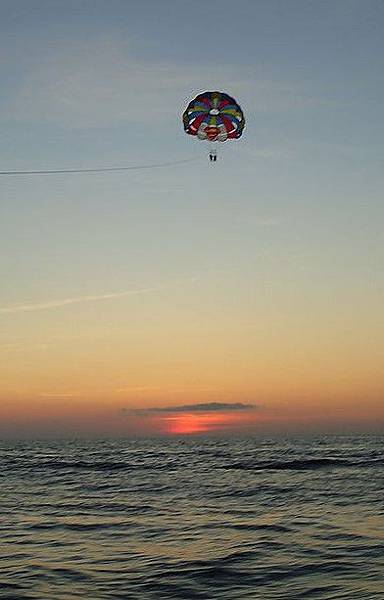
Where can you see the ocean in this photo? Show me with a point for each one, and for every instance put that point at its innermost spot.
(193, 517)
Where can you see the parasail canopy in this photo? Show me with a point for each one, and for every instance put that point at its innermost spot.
(214, 116)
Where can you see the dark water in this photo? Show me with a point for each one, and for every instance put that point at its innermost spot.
(193, 518)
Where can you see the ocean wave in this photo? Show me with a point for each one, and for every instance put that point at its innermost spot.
(290, 465)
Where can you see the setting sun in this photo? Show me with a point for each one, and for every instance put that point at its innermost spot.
(190, 423)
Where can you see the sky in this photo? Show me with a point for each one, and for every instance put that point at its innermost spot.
(243, 296)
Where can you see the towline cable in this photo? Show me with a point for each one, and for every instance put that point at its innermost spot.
(100, 169)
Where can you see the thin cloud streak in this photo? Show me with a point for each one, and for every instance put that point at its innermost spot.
(76, 300)
(61, 395)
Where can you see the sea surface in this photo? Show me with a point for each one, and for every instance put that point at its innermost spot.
(193, 518)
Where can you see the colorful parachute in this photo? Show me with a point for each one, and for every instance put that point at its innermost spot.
(214, 116)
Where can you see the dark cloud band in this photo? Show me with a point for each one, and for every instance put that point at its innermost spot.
(189, 408)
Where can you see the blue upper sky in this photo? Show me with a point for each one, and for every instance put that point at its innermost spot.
(104, 83)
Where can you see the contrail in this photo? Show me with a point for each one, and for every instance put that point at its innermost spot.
(76, 300)
(16, 308)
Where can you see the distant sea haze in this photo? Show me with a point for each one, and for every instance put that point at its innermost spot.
(193, 518)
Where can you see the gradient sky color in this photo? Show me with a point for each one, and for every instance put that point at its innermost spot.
(256, 280)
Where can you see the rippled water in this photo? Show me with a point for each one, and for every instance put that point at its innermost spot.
(193, 518)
